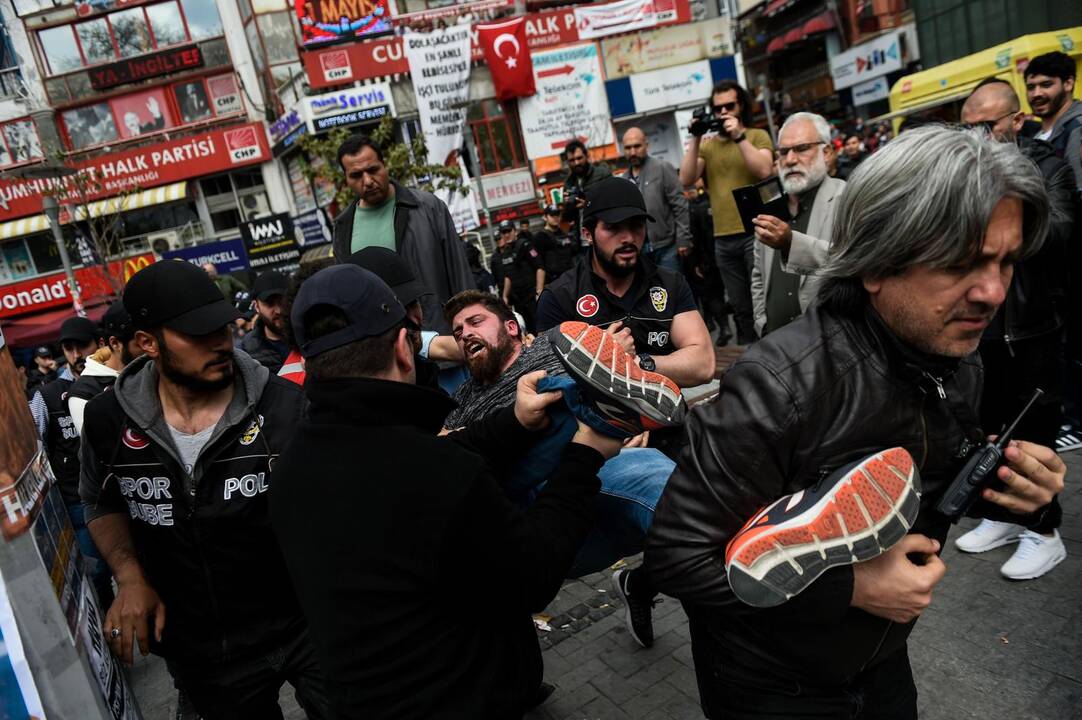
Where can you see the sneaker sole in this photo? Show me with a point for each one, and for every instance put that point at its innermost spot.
(868, 511)
(592, 356)
(618, 586)
(1047, 567)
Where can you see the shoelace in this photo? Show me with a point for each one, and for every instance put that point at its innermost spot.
(1029, 544)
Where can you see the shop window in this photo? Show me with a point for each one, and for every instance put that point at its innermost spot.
(43, 250)
(19, 142)
(166, 23)
(258, 57)
(60, 50)
(17, 259)
(496, 135)
(132, 32)
(233, 197)
(203, 19)
(96, 41)
(278, 39)
(155, 219)
(90, 125)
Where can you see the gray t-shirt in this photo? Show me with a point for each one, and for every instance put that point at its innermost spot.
(189, 446)
(475, 400)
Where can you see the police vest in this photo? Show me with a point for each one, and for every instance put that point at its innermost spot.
(206, 547)
(62, 439)
(582, 295)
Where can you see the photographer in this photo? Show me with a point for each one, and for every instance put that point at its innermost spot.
(736, 157)
(582, 174)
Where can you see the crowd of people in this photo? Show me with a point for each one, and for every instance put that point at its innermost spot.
(319, 487)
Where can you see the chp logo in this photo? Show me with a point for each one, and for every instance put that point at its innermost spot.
(243, 144)
(588, 305)
(134, 440)
(659, 298)
(336, 66)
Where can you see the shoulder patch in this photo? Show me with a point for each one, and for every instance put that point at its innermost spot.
(134, 439)
(252, 432)
(587, 305)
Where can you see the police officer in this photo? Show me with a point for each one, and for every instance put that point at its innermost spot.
(557, 249)
(650, 310)
(519, 273)
(176, 464)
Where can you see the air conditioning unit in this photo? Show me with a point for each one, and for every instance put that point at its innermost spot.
(254, 206)
(163, 242)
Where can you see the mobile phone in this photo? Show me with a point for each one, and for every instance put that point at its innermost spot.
(763, 198)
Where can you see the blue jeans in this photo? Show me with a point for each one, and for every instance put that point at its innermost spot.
(631, 483)
(98, 569)
(665, 257)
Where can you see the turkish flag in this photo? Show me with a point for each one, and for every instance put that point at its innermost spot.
(508, 57)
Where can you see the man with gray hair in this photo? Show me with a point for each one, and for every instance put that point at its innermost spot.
(787, 253)
(791, 528)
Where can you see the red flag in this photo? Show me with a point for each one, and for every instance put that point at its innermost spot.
(508, 57)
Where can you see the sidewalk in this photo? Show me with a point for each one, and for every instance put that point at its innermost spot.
(986, 649)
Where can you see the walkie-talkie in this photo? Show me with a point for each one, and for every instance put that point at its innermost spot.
(980, 470)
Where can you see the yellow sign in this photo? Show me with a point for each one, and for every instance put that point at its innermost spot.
(665, 47)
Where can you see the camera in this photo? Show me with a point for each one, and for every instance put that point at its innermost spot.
(573, 194)
(703, 121)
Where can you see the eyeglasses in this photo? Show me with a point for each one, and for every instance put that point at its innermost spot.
(801, 149)
(725, 107)
(988, 125)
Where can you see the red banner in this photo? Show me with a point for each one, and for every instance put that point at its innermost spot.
(50, 291)
(146, 167)
(376, 58)
(508, 58)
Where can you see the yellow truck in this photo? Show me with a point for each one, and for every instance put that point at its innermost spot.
(938, 93)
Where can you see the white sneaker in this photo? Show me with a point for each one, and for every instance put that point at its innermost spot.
(989, 535)
(1036, 555)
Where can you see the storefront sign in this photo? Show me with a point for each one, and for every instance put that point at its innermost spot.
(452, 10)
(440, 69)
(513, 187)
(570, 102)
(596, 21)
(226, 94)
(269, 241)
(145, 66)
(869, 92)
(877, 57)
(348, 107)
(670, 87)
(381, 57)
(189, 157)
(284, 125)
(312, 228)
(226, 256)
(50, 291)
(324, 21)
(665, 47)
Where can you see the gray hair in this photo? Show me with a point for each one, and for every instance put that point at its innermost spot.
(822, 127)
(926, 198)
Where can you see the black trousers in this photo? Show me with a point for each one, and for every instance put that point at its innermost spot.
(1010, 376)
(248, 689)
(735, 256)
(525, 302)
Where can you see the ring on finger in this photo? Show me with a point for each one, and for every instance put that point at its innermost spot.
(114, 633)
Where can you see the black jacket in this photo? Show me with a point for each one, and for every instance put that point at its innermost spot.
(1037, 298)
(204, 540)
(62, 439)
(425, 237)
(256, 344)
(808, 399)
(416, 574)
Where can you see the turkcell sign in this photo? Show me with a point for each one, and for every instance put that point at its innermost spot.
(348, 107)
(227, 256)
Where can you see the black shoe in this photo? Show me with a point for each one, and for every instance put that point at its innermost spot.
(544, 692)
(639, 616)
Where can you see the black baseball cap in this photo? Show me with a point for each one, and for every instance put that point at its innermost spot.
(178, 295)
(43, 351)
(552, 210)
(369, 305)
(506, 226)
(614, 200)
(79, 329)
(391, 269)
(117, 322)
(268, 285)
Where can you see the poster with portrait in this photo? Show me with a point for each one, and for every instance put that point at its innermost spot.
(192, 101)
(90, 125)
(22, 141)
(143, 113)
(224, 94)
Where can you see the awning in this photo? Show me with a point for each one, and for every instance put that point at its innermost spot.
(776, 6)
(794, 35)
(45, 327)
(23, 226)
(776, 45)
(824, 22)
(134, 201)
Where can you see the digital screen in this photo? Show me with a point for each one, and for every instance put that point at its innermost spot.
(328, 21)
(770, 191)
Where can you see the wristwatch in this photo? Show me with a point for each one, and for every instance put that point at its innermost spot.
(742, 138)
(646, 362)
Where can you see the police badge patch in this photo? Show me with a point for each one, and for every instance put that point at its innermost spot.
(252, 432)
(659, 296)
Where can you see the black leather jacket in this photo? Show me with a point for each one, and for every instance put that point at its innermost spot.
(816, 395)
(1035, 301)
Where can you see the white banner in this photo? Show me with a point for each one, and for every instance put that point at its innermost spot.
(463, 207)
(868, 60)
(596, 21)
(439, 64)
(869, 92)
(667, 87)
(570, 102)
(513, 187)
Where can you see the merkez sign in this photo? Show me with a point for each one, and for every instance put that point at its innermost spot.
(226, 256)
(270, 241)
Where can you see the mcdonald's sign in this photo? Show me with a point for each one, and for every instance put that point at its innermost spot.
(49, 291)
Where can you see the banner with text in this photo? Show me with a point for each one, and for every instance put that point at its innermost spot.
(227, 256)
(665, 47)
(269, 241)
(463, 208)
(439, 63)
(596, 21)
(570, 102)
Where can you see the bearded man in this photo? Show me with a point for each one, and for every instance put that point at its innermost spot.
(787, 253)
(266, 342)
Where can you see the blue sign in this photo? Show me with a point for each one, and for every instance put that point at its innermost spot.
(313, 228)
(227, 256)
